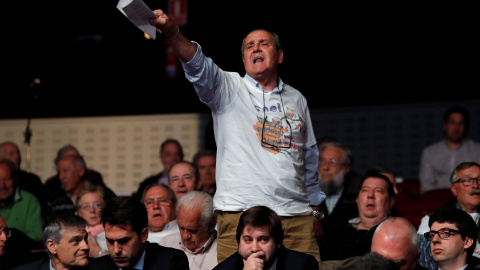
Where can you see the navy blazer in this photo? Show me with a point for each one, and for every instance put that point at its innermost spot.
(286, 259)
(156, 257)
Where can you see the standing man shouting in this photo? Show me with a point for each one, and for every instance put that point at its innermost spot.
(270, 157)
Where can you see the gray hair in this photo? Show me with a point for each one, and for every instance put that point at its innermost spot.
(276, 38)
(78, 160)
(198, 199)
(54, 228)
(171, 193)
(460, 167)
(347, 153)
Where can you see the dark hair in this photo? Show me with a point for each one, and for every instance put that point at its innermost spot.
(464, 222)
(203, 153)
(458, 109)
(276, 38)
(460, 167)
(171, 193)
(167, 141)
(125, 211)
(54, 228)
(373, 172)
(259, 216)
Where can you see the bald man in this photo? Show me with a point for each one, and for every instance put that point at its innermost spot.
(396, 238)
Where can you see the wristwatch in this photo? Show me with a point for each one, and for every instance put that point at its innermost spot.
(318, 214)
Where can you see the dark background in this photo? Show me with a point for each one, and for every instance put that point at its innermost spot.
(92, 61)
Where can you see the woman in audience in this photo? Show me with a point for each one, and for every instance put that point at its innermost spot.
(90, 202)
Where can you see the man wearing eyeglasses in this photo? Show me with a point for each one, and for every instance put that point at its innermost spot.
(438, 159)
(266, 146)
(452, 236)
(466, 189)
(340, 184)
(161, 202)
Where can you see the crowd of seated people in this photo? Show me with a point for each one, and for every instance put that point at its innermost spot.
(179, 212)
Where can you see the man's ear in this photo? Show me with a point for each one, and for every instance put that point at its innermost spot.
(392, 202)
(280, 56)
(144, 235)
(468, 243)
(453, 188)
(52, 247)
(198, 186)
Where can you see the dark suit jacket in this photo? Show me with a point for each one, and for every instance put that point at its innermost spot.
(43, 264)
(286, 259)
(156, 257)
(145, 183)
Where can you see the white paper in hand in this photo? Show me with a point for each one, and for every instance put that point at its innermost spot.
(139, 14)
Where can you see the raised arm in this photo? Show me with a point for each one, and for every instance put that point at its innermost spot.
(183, 47)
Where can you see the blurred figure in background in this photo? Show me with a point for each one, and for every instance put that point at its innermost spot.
(206, 163)
(171, 152)
(90, 202)
(439, 159)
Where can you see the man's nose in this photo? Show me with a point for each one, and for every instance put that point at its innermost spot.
(117, 249)
(255, 247)
(185, 234)
(84, 245)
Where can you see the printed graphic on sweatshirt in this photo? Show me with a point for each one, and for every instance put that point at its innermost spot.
(277, 132)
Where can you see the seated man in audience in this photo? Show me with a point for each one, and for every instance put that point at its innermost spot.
(27, 181)
(466, 189)
(183, 178)
(161, 204)
(71, 171)
(339, 183)
(260, 236)
(19, 208)
(197, 236)
(396, 238)
(170, 153)
(52, 184)
(354, 238)
(16, 248)
(206, 161)
(126, 230)
(66, 241)
(452, 236)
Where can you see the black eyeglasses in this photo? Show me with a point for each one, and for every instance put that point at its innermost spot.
(7, 232)
(442, 233)
(275, 130)
(467, 181)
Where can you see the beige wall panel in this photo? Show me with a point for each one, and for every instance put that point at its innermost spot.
(124, 149)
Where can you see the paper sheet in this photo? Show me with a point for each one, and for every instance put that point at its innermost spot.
(139, 14)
